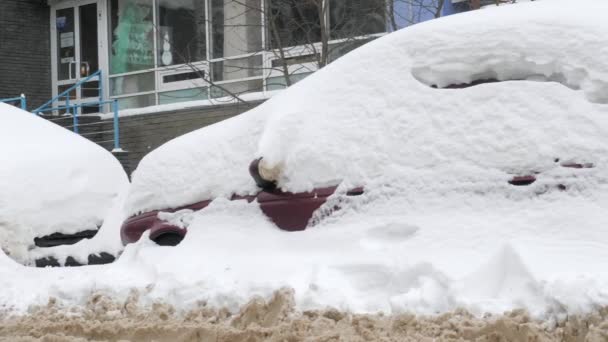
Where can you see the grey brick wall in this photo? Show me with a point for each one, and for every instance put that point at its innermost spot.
(25, 65)
(141, 134)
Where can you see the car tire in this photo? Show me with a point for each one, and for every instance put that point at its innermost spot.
(168, 239)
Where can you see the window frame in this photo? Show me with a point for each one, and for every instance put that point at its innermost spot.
(268, 56)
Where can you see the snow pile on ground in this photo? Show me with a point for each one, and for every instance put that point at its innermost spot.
(51, 180)
(439, 226)
(276, 319)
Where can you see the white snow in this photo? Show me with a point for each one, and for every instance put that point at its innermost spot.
(51, 180)
(438, 227)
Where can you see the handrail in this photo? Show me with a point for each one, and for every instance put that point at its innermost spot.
(66, 92)
(21, 99)
(73, 109)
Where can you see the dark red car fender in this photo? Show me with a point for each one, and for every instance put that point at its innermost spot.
(289, 211)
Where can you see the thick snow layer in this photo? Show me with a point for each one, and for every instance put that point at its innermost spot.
(51, 180)
(385, 121)
(439, 226)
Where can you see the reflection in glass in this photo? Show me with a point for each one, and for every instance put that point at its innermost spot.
(278, 83)
(181, 32)
(183, 95)
(137, 101)
(293, 22)
(237, 68)
(237, 88)
(236, 27)
(132, 30)
(66, 55)
(89, 55)
(132, 84)
(352, 18)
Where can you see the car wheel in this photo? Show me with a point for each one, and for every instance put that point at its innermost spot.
(168, 239)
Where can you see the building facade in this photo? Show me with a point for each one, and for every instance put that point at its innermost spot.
(25, 50)
(158, 53)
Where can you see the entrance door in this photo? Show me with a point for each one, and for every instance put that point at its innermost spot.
(76, 50)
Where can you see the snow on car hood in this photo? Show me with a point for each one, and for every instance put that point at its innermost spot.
(51, 180)
(374, 115)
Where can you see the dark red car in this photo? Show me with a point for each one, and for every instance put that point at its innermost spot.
(289, 211)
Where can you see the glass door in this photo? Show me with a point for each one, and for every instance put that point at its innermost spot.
(75, 48)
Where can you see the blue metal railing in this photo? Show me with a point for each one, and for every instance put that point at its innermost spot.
(66, 93)
(21, 100)
(75, 109)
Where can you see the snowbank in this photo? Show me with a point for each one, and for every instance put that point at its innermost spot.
(276, 319)
(439, 226)
(51, 180)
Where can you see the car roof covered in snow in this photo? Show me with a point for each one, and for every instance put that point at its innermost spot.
(382, 113)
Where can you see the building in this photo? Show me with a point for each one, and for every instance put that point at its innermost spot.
(176, 65)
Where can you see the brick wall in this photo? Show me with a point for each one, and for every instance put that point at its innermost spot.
(141, 134)
(25, 65)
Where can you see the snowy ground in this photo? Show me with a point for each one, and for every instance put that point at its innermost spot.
(439, 227)
(418, 261)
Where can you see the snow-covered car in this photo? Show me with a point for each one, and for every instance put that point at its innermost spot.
(56, 187)
(507, 102)
(289, 211)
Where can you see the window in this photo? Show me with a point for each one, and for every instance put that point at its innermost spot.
(137, 101)
(293, 22)
(298, 22)
(236, 27)
(167, 51)
(183, 95)
(181, 32)
(132, 35)
(237, 88)
(352, 18)
(237, 68)
(65, 36)
(132, 84)
(279, 82)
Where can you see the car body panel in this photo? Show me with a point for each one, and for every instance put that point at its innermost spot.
(289, 211)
